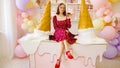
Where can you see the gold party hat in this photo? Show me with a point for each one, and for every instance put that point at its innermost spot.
(44, 23)
(85, 20)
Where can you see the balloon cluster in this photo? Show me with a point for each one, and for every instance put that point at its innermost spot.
(106, 21)
(27, 8)
(25, 21)
(29, 23)
(113, 48)
(103, 9)
(109, 24)
(104, 13)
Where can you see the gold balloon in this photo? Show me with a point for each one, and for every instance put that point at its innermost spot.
(114, 1)
(98, 24)
(30, 4)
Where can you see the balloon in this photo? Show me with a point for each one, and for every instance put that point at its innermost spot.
(98, 24)
(107, 11)
(29, 24)
(100, 12)
(111, 52)
(119, 38)
(108, 33)
(21, 4)
(30, 5)
(114, 1)
(24, 26)
(24, 4)
(98, 3)
(108, 19)
(32, 12)
(118, 18)
(117, 15)
(19, 52)
(24, 15)
(118, 48)
(114, 42)
(25, 20)
(107, 24)
(31, 29)
(108, 6)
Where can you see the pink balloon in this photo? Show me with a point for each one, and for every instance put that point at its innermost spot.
(108, 33)
(24, 15)
(21, 4)
(98, 3)
(19, 20)
(19, 52)
(108, 6)
(107, 12)
(31, 12)
(111, 52)
(108, 19)
(117, 15)
(100, 12)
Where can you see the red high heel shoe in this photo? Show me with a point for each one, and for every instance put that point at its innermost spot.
(57, 65)
(69, 55)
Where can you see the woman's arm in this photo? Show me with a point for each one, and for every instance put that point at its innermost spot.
(68, 22)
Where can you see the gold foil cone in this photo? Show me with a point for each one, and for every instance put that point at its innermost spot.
(85, 20)
(44, 23)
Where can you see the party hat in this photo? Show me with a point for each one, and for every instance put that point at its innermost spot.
(30, 4)
(44, 23)
(85, 20)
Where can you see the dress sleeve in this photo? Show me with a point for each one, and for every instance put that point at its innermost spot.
(55, 23)
(68, 23)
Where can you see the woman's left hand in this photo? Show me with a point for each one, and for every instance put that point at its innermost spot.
(67, 31)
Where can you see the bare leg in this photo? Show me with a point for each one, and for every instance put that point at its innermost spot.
(66, 45)
(69, 55)
(57, 65)
(61, 50)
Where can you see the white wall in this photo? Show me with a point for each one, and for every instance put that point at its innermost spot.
(1, 15)
(7, 27)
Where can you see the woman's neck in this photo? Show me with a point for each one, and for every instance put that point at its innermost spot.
(61, 14)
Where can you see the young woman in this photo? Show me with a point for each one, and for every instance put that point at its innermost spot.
(61, 24)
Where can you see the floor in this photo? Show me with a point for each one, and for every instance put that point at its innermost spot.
(109, 63)
(14, 63)
(24, 63)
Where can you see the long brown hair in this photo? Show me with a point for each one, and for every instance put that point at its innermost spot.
(58, 12)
